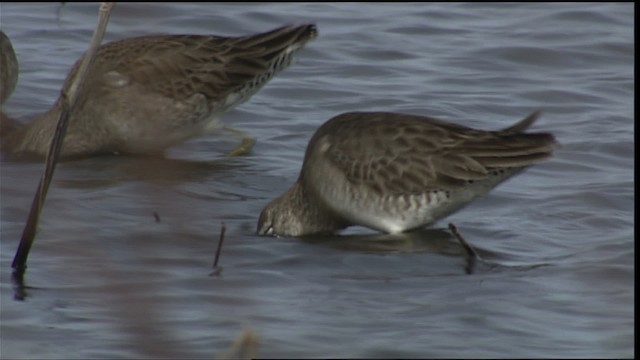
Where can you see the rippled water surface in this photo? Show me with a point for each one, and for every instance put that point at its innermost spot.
(107, 280)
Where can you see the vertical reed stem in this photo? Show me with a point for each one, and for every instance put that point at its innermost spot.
(68, 97)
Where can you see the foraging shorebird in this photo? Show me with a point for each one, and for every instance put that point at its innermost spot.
(8, 79)
(145, 94)
(395, 172)
(8, 68)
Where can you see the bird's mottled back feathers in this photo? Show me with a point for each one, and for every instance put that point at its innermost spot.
(179, 66)
(406, 154)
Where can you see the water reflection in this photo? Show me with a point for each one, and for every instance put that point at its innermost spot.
(426, 240)
(434, 241)
(111, 170)
(439, 241)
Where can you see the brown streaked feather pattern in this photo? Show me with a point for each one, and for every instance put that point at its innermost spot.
(407, 154)
(9, 70)
(8, 67)
(178, 66)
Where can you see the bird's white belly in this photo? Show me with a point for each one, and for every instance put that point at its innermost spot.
(394, 214)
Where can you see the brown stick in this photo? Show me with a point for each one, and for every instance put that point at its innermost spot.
(69, 97)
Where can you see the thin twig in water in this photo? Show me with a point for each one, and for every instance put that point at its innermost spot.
(472, 255)
(156, 216)
(218, 251)
(68, 100)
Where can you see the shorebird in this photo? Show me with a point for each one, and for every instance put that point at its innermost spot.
(145, 94)
(394, 172)
(8, 68)
(8, 80)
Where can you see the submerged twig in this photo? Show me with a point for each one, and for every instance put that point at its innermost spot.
(218, 270)
(19, 287)
(68, 99)
(472, 255)
(156, 216)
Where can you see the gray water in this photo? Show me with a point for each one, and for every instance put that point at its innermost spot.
(557, 272)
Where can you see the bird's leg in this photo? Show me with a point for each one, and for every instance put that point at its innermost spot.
(246, 144)
(472, 255)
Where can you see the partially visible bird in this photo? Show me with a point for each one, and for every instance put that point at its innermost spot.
(148, 93)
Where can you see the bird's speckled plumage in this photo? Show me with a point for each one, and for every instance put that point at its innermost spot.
(145, 94)
(8, 67)
(395, 172)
